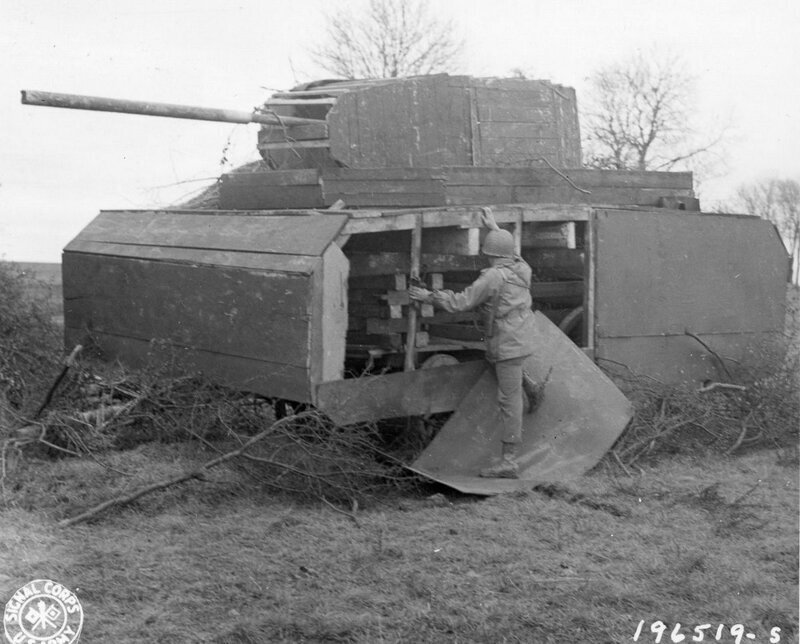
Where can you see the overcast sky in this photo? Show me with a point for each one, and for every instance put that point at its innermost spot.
(58, 168)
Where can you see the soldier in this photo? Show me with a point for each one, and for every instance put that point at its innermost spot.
(503, 292)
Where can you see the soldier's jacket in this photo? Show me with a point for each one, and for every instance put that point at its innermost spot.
(503, 293)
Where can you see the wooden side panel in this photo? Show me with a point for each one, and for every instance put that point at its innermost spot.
(290, 235)
(249, 314)
(421, 122)
(661, 273)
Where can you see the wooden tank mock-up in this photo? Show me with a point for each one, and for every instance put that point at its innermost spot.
(290, 278)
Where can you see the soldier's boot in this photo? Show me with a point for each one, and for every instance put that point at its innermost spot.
(507, 468)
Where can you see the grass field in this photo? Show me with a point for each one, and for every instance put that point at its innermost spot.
(704, 539)
(690, 540)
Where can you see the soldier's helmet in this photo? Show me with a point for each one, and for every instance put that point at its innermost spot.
(499, 243)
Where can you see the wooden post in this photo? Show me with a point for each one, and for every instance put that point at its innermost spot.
(590, 276)
(411, 340)
(518, 233)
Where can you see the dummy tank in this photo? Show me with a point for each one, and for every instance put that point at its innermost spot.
(291, 280)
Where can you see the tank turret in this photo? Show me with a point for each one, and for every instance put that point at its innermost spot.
(419, 122)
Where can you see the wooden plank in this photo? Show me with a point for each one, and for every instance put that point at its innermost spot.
(560, 235)
(442, 317)
(397, 395)
(306, 235)
(254, 196)
(492, 176)
(390, 263)
(583, 177)
(475, 134)
(380, 326)
(356, 226)
(540, 88)
(416, 250)
(464, 332)
(465, 216)
(271, 262)
(303, 177)
(631, 178)
(271, 379)
(298, 101)
(292, 145)
(330, 316)
(590, 279)
(246, 313)
(271, 133)
(387, 200)
(322, 90)
(382, 186)
(597, 195)
(381, 174)
(466, 195)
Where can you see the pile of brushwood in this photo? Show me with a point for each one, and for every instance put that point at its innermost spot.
(84, 408)
(93, 407)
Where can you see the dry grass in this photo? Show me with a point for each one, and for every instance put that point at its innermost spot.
(693, 540)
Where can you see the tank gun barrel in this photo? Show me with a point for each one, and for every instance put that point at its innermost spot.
(100, 104)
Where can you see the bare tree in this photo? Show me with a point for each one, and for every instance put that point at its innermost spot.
(777, 200)
(638, 116)
(391, 38)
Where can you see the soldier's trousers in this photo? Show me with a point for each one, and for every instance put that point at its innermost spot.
(510, 397)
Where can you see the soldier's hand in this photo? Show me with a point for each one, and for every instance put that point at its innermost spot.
(419, 294)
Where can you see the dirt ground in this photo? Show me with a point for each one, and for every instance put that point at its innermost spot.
(692, 541)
